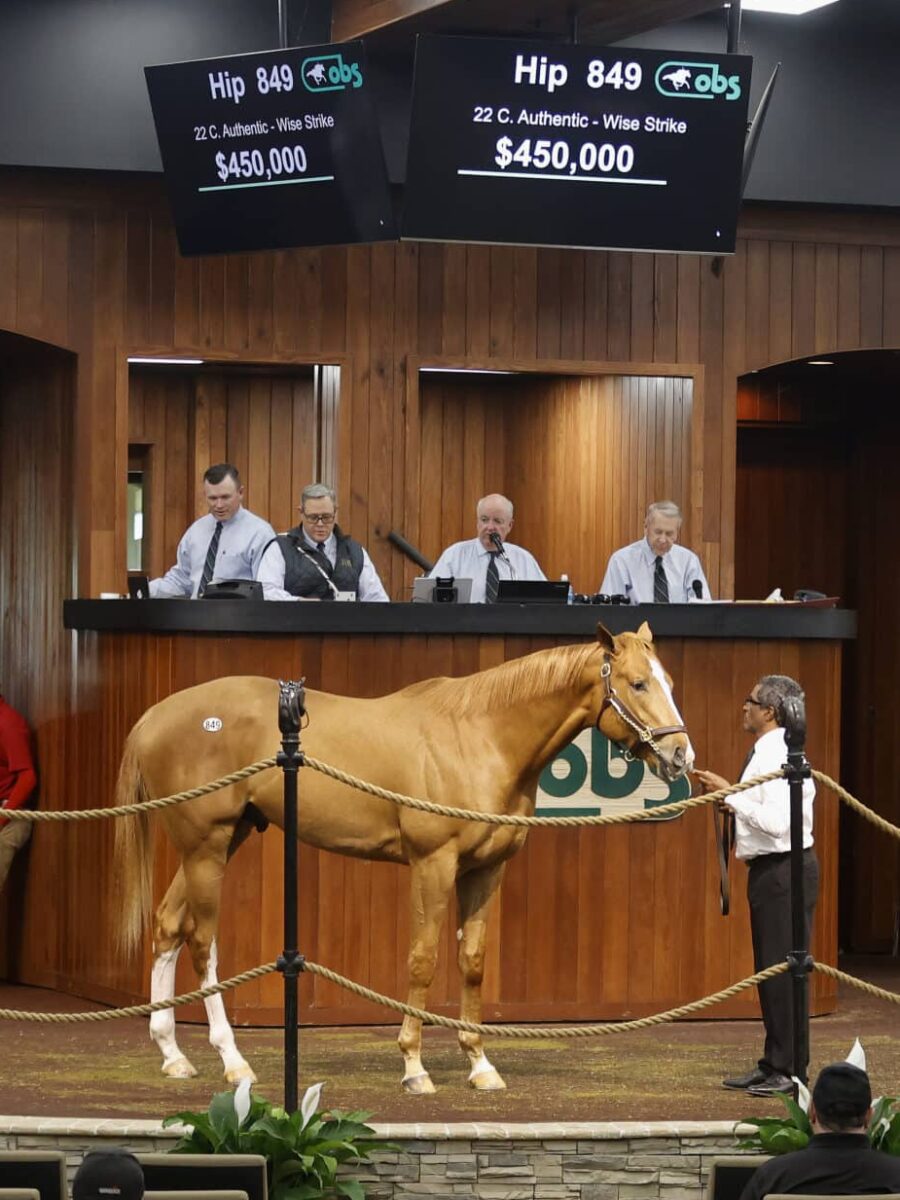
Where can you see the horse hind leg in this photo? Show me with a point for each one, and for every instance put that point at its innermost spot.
(203, 875)
(169, 933)
(474, 893)
(432, 880)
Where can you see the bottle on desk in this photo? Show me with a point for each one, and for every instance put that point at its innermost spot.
(570, 597)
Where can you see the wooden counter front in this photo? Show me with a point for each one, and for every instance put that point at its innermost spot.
(592, 924)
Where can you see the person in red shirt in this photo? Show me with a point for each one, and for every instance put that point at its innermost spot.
(18, 780)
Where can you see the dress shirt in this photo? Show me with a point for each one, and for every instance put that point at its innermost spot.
(833, 1164)
(271, 572)
(629, 572)
(243, 539)
(469, 560)
(763, 814)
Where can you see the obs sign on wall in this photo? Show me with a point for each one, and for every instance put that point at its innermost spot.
(592, 776)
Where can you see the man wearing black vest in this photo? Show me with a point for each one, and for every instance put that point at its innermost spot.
(315, 560)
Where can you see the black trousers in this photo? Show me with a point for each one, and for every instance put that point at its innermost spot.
(769, 893)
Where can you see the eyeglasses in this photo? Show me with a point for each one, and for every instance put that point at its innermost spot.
(757, 703)
(319, 518)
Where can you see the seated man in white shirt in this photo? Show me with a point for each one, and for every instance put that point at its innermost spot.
(481, 560)
(656, 570)
(225, 544)
(317, 561)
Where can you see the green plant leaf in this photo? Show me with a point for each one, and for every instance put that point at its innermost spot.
(351, 1188)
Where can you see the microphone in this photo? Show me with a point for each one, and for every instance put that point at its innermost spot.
(497, 542)
(698, 588)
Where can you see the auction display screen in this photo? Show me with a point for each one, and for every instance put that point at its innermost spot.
(526, 143)
(274, 149)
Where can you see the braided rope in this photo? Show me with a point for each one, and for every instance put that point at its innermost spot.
(547, 1031)
(138, 1010)
(467, 814)
(857, 805)
(130, 810)
(869, 988)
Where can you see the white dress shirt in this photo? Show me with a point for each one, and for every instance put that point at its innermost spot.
(241, 542)
(469, 560)
(271, 572)
(629, 572)
(763, 814)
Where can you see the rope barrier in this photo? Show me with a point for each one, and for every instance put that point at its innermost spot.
(467, 814)
(130, 810)
(430, 1018)
(138, 1010)
(857, 805)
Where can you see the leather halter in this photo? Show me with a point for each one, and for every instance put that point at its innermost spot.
(646, 733)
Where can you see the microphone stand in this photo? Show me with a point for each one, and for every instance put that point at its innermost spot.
(501, 550)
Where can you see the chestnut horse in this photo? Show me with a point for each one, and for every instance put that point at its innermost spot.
(478, 742)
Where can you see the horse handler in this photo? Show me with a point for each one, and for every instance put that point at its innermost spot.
(18, 780)
(763, 840)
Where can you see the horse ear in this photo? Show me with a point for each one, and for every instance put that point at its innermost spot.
(605, 638)
(645, 634)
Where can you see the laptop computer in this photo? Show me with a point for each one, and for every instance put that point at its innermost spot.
(533, 591)
(423, 591)
(138, 587)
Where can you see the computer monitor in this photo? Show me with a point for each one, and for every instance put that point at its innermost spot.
(205, 1173)
(441, 591)
(728, 1176)
(533, 591)
(41, 1170)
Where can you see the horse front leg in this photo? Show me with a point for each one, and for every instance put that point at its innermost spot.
(169, 933)
(203, 879)
(432, 879)
(474, 893)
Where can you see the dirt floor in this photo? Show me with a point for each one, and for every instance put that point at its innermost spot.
(670, 1072)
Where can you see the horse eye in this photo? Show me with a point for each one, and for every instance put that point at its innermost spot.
(640, 685)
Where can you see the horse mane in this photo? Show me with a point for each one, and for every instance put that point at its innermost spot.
(513, 682)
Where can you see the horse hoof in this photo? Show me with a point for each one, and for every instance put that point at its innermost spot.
(237, 1074)
(487, 1081)
(419, 1085)
(180, 1068)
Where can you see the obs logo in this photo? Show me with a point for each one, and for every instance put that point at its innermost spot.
(329, 73)
(592, 776)
(696, 81)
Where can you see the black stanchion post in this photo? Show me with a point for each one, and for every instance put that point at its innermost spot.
(798, 770)
(291, 700)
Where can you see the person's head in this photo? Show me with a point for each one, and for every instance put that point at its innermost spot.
(841, 1100)
(764, 707)
(223, 490)
(494, 514)
(662, 526)
(318, 509)
(108, 1175)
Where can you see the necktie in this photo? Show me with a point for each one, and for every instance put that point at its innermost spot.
(491, 579)
(660, 583)
(209, 565)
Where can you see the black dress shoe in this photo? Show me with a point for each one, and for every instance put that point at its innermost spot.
(741, 1082)
(775, 1084)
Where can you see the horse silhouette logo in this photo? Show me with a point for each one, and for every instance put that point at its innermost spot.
(678, 79)
(317, 74)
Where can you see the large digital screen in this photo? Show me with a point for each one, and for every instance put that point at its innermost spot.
(274, 149)
(609, 147)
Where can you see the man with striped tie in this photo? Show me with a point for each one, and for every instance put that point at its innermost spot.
(225, 544)
(489, 557)
(656, 570)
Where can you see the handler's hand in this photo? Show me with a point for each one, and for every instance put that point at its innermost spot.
(711, 781)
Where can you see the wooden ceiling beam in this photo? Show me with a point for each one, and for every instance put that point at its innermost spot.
(355, 18)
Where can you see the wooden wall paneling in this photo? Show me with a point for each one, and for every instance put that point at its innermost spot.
(261, 281)
(643, 303)
(525, 282)
(572, 293)
(777, 304)
(478, 303)
(163, 271)
(803, 295)
(891, 327)
(826, 300)
(549, 304)
(9, 268)
(619, 306)
(334, 283)
(665, 307)
(382, 386)
(56, 261)
(400, 571)
(236, 300)
(354, 485)
(502, 313)
(187, 303)
(871, 297)
(848, 296)
(757, 345)
(687, 345)
(137, 274)
(212, 301)
(446, 282)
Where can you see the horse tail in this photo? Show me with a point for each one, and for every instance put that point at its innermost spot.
(134, 849)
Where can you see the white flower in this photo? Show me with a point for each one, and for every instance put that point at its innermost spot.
(242, 1100)
(857, 1056)
(803, 1096)
(310, 1102)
